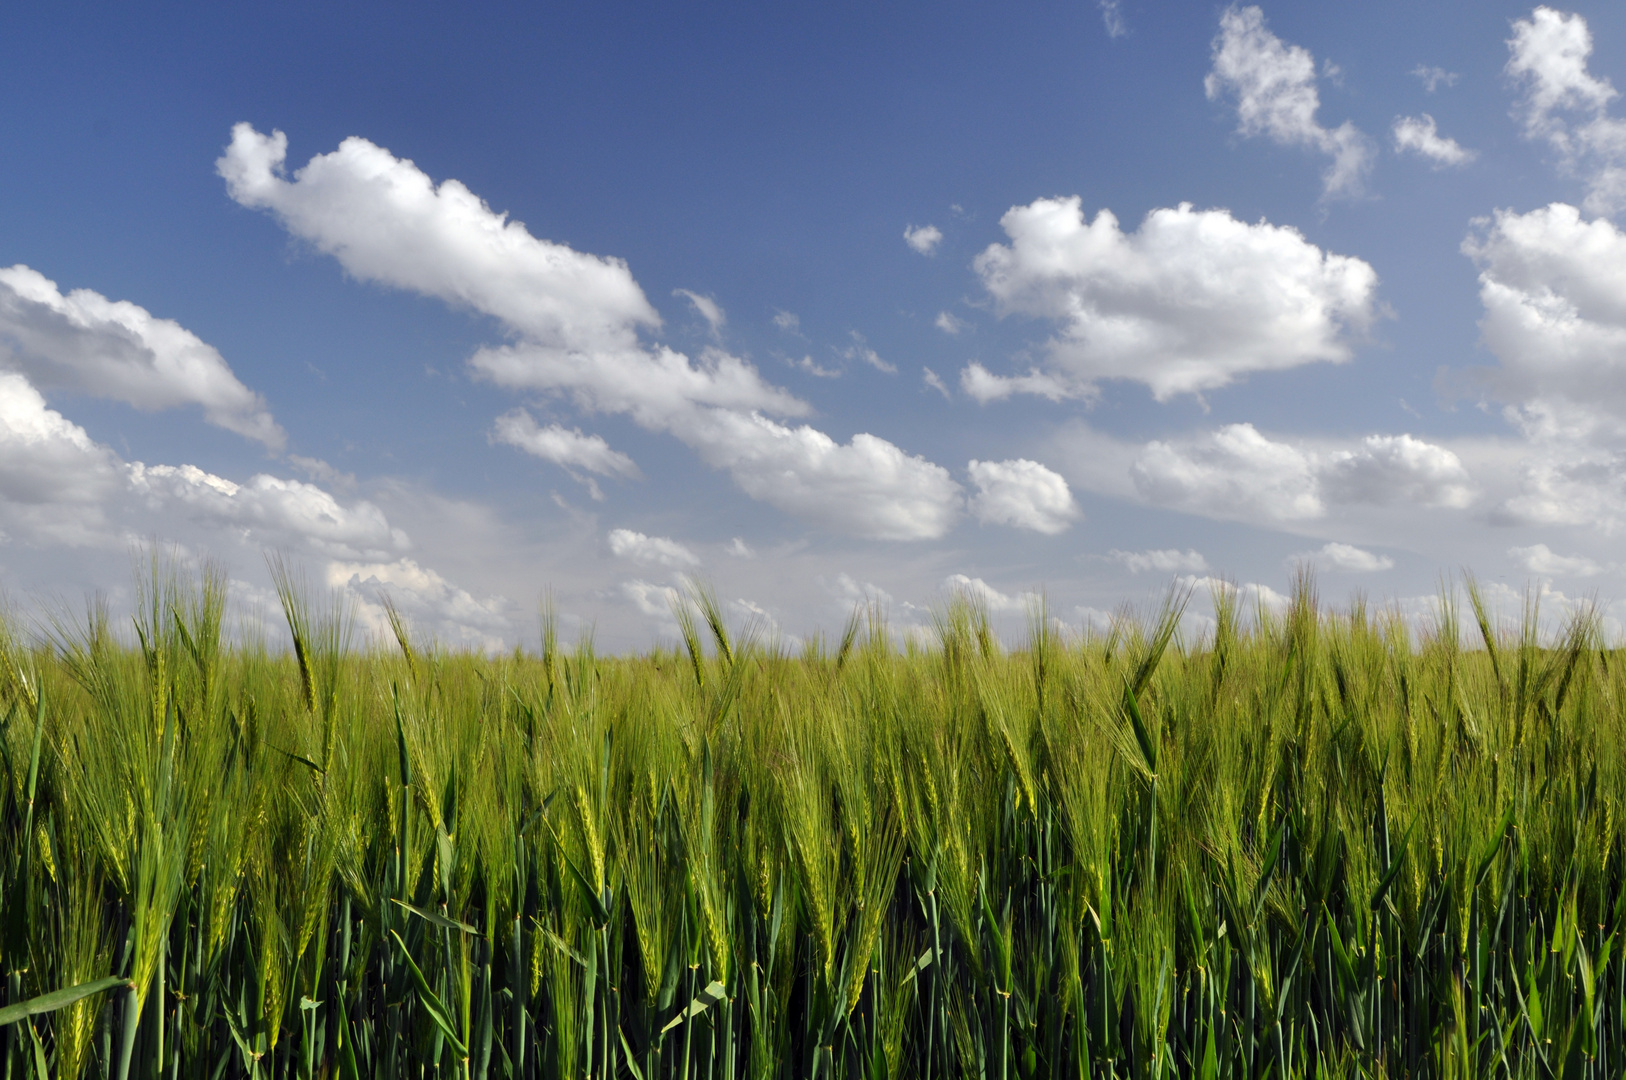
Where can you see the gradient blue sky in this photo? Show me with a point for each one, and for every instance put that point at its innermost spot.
(1388, 336)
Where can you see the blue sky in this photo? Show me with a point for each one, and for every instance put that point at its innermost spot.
(814, 303)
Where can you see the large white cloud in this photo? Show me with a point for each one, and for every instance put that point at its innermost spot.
(1190, 301)
(1566, 105)
(577, 318)
(1023, 494)
(88, 344)
(1274, 86)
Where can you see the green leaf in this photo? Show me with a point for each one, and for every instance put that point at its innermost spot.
(1142, 736)
(438, 920)
(57, 999)
(713, 994)
(430, 1000)
(1394, 868)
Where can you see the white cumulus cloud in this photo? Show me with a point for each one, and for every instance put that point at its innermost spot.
(384, 220)
(1420, 135)
(654, 601)
(270, 510)
(1387, 469)
(1023, 494)
(866, 486)
(1237, 472)
(1232, 472)
(1274, 87)
(651, 550)
(433, 606)
(85, 343)
(1553, 286)
(1191, 301)
(923, 238)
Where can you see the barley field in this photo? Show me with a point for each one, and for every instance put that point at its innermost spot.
(1303, 845)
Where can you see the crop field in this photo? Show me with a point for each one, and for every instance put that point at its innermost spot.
(1309, 844)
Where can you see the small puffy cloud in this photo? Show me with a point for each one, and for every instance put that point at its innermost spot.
(1274, 87)
(813, 368)
(656, 389)
(1232, 472)
(1540, 559)
(1164, 561)
(924, 238)
(432, 604)
(566, 447)
(708, 308)
(655, 601)
(1349, 558)
(931, 379)
(1565, 105)
(1433, 78)
(1112, 17)
(1023, 494)
(984, 386)
(1250, 594)
(1389, 469)
(85, 343)
(978, 590)
(740, 549)
(866, 486)
(1419, 135)
(1553, 286)
(386, 221)
(860, 350)
(787, 321)
(949, 323)
(848, 592)
(269, 510)
(651, 550)
(1191, 301)
(1236, 472)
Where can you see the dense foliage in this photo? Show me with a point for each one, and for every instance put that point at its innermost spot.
(1306, 845)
